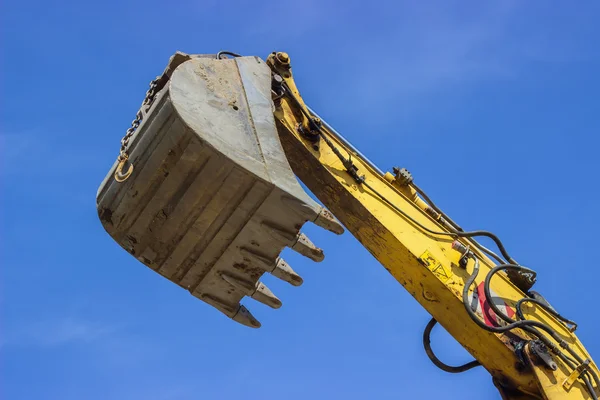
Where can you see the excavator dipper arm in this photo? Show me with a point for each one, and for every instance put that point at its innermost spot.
(437, 263)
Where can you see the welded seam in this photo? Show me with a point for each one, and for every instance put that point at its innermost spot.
(251, 118)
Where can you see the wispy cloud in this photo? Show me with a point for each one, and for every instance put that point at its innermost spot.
(435, 49)
(56, 332)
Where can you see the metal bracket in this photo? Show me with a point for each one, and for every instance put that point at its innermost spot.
(540, 350)
(577, 372)
(403, 176)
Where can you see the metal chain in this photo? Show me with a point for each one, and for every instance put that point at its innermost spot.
(139, 116)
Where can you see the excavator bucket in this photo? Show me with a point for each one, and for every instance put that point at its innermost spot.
(211, 201)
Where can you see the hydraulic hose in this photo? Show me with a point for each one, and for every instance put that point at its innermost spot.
(346, 162)
(540, 303)
(476, 319)
(527, 325)
(540, 325)
(438, 363)
(511, 323)
(432, 205)
(351, 169)
(229, 53)
(454, 225)
(454, 234)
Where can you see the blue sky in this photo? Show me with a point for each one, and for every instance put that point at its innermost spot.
(498, 98)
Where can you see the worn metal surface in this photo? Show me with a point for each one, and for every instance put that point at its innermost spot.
(212, 200)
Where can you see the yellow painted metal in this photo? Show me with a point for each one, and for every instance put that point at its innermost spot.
(439, 270)
(576, 373)
(407, 191)
(415, 258)
(550, 383)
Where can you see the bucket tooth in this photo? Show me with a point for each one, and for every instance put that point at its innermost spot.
(326, 220)
(245, 317)
(319, 215)
(305, 247)
(278, 268)
(264, 295)
(259, 291)
(284, 272)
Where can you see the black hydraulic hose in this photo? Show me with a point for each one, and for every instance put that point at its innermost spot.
(438, 363)
(571, 363)
(510, 321)
(345, 162)
(454, 225)
(495, 239)
(451, 234)
(489, 252)
(432, 205)
(229, 53)
(566, 359)
(580, 361)
(516, 279)
(526, 323)
(545, 307)
(589, 386)
(475, 318)
(512, 324)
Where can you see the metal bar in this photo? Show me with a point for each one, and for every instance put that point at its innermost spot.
(346, 143)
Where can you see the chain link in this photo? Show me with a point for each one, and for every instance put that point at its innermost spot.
(139, 116)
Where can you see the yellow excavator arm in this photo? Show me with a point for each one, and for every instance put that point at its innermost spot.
(202, 193)
(442, 266)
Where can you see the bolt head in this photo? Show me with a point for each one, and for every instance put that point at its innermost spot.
(283, 57)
